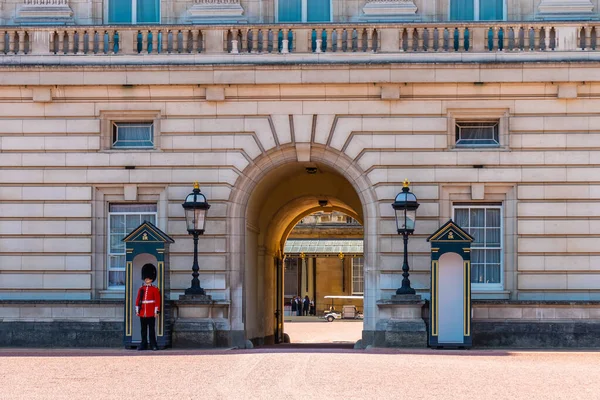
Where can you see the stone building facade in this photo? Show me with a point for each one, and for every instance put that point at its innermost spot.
(495, 123)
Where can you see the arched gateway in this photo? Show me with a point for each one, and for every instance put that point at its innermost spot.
(268, 199)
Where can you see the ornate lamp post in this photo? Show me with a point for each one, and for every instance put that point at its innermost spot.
(195, 206)
(405, 206)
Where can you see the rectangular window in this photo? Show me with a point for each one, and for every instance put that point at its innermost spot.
(134, 11)
(484, 223)
(358, 278)
(477, 133)
(304, 11)
(133, 135)
(122, 220)
(477, 10)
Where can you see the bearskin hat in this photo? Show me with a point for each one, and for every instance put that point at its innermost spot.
(149, 271)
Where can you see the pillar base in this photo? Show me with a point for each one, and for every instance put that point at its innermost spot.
(401, 323)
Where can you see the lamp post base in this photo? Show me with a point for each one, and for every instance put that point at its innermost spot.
(405, 291)
(199, 298)
(195, 291)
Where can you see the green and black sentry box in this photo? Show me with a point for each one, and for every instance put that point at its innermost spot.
(450, 304)
(147, 245)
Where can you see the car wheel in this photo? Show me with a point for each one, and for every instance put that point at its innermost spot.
(330, 318)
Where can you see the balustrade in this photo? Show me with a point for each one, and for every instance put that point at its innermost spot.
(301, 39)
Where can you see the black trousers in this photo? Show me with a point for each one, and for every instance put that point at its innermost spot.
(148, 324)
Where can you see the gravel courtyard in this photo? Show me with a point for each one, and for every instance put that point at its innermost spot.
(296, 373)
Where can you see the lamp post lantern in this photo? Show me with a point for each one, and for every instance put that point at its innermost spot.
(405, 205)
(195, 207)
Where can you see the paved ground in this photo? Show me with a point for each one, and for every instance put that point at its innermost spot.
(322, 331)
(288, 373)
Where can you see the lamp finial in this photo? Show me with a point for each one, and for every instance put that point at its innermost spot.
(196, 185)
(405, 183)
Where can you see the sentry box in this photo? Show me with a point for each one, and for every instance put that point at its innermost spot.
(147, 245)
(450, 304)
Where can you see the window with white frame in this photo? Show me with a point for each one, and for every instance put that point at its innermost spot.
(484, 223)
(358, 278)
(304, 10)
(477, 10)
(132, 135)
(477, 133)
(122, 220)
(133, 11)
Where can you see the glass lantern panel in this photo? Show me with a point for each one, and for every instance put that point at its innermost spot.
(399, 219)
(410, 219)
(199, 219)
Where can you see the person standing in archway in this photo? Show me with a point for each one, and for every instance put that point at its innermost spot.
(294, 305)
(306, 305)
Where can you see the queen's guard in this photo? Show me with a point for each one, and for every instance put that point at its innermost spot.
(147, 306)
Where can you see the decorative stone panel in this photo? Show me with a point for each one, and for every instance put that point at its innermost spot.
(389, 10)
(560, 9)
(45, 12)
(216, 11)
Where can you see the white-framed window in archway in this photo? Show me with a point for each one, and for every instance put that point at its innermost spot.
(477, 10)
(484, 223)
(132, 11)
(303, 11)
(358, 278)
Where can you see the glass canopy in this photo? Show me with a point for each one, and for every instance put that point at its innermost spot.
(324, 247)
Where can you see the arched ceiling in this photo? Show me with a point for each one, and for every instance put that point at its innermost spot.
(288, 193)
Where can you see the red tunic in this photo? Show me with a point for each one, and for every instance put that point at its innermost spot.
(147, 302)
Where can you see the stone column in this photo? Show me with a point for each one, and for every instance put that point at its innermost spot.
(45, 12)
(216, 11)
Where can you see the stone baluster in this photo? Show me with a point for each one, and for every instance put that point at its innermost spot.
(369, 46)
(285, 42)
(165, 41)
(195, 45)
(21, 45)
(144, 49)
(11, 42)
(71, 37)
(80, 42)
(111, 41)
(329, 33)
(410, 39)
(359, 39)
(244, 40)
(91, 41)
(495, 38)
(420, 39)
(461, 39)
(61, 42)
(185, 36)
(154, 41)
(340, 39)
(441, 33)
(547, 38)
(587, 45)
(319, 41)
(234, 41)
(505, 38)
(101, 41)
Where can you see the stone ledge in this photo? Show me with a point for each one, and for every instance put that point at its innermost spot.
(536, 334)
(61, 334)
